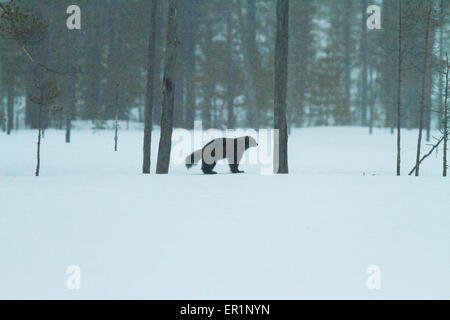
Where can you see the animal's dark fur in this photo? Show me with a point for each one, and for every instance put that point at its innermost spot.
(221, 148)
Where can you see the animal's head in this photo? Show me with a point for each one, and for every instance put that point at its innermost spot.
(250, 142)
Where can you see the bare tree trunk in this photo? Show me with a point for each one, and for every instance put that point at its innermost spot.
(429, 83)
(433, 147)
(17, 121)
(422, 98)
(10, 107)
(371, 99)
(71, 108)
(116, 138)
(428, 104)
(38, 163)
(230, 73)
(71, 101)
(147, 147)
(446, 120)
(165, 142)
(2, 118)
(441, 51)
(399, 88)
(281, 64)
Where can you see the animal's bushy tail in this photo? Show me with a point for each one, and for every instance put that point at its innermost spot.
(193, 158)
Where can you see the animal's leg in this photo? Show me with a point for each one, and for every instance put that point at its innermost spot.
(234, 167)
(208, 168)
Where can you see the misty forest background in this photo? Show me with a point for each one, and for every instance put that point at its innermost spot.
(339, 72)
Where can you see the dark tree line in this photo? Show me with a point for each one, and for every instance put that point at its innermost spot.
(341, 73)
(338, 71)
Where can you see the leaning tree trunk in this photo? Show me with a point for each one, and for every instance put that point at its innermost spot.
(422, 97)
(281, 63)
(165, 141)
(150, 89)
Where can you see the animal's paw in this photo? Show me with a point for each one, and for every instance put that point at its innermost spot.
(211, 172)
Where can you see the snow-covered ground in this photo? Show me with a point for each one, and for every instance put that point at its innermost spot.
(310, 234)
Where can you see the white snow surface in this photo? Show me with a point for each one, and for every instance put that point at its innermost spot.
(307, 235)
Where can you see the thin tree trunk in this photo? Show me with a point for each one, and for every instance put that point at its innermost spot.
(429, 84)
(71, 106)
(2, 118)
(371, 100)
(38, 164)
(434, 147)
(10, 107)
(150, 90)
(69, 114)
(68, 130)
(422, 98)
(399, 88)
(281, 63)
(116, 133)
(428, 104)
(441, 52)
(446, 120)
(165, 142)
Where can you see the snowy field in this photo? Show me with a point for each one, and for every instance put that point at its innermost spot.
(310, 234)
